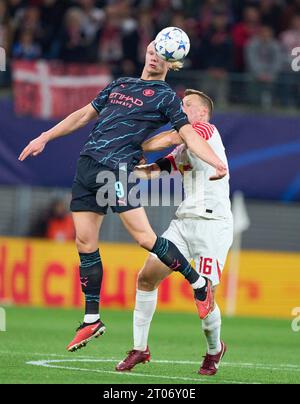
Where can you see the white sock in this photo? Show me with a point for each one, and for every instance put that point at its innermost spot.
(91, 318)
(212, 329)
(145, 305)
(199, 283)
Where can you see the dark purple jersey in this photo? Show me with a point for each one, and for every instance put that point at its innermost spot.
(129, 111)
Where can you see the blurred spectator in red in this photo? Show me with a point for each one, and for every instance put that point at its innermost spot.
(264, 62)
(26, 47)
(57, 224)
(60, 225)
(243, 32)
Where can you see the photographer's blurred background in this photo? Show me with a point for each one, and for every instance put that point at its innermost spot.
(59, 54)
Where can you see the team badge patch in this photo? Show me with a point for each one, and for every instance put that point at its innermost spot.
(149, 93)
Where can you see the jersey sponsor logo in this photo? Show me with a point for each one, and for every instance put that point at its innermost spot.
(148, 93)
(125, 100)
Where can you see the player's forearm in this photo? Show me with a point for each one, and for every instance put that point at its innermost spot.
(199, 146)
(162, 141)
(73, 122)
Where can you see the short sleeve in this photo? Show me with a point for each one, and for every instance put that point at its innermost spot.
(205, 130)
(99, 102)
(172, 109)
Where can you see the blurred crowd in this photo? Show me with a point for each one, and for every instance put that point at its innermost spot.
(54, 223)
(227, 36)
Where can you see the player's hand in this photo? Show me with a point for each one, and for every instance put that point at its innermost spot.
(221, 172)
(34, 148)
(147, 171)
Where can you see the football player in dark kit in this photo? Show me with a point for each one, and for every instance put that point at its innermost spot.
(128, 111)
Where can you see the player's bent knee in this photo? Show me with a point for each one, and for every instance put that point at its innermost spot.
(86, 245)
(144, 282)
(145, 242)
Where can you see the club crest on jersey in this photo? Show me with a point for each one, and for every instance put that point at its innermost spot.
(148, 93)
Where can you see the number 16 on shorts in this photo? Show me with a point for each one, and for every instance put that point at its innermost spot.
(210, 268)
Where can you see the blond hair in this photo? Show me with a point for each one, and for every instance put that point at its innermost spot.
(176, 66)
(208, 102)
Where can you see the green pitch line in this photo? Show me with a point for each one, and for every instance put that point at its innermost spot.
(33, 350)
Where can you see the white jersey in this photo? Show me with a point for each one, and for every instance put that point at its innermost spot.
(204, 198)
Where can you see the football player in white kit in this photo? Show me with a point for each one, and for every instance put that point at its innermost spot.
(203, 230)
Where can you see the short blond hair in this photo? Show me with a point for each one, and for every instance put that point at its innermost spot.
(208, 102)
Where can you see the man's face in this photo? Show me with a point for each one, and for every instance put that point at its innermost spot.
(154, 64)
(193, 107)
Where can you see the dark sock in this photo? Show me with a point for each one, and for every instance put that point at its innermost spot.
(91, 273)
(201, 293)
(169, 254)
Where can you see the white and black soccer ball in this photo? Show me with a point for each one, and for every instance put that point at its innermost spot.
(172, 44)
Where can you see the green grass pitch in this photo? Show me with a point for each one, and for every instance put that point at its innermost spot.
(32, 350)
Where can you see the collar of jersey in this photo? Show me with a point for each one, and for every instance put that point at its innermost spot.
(152, 81)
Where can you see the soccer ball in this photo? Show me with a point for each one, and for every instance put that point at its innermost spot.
(172, 44)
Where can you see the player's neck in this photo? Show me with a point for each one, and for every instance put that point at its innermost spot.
(156, 77)
(200, 119)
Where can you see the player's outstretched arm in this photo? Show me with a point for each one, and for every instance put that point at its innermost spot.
(202, 149)
(162, 141)
(76, 120)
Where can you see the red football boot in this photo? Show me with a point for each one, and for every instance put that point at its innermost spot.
(211, 363)
(134, 358)
(206, 304)
(84, 334)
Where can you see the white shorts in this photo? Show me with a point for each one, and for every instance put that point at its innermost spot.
(206, 241)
